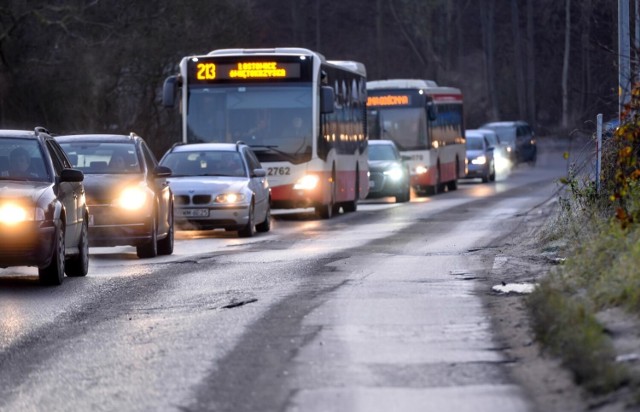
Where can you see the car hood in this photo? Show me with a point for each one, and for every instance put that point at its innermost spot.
(382, 165)
(207, 184)
(103, 188)
(23, 190)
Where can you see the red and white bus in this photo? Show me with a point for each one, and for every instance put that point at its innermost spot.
(304, 117)
(426, 123)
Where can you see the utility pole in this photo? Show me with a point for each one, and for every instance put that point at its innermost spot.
(624, 56)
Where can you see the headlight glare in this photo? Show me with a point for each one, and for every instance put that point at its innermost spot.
(307, 182)
(230, 198)
(480, 160)
(394, 174)
(421, 170)
(12, 214)
(132, 198)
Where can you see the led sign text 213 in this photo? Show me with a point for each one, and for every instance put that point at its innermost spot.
(206, 71)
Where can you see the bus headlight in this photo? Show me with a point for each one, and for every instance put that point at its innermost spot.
(480, 160)
(230, 198)
(421, 170)
(307, 182)
(394, 174)
(132, 198)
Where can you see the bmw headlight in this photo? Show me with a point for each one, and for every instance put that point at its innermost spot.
(230, 198)
(394, 174)
(480, 160)
(307, 182)
(132, 198)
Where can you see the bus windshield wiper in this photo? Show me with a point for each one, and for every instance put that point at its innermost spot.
(274, 149)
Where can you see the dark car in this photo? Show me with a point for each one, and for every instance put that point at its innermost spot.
(519, 139)
(388, 173)
(480, 156)
(43, 214)
(130, 201)
(219, 186)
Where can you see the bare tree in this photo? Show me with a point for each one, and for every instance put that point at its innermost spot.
(518, 64)
(565, 65)
(487, 16)
(531, 65)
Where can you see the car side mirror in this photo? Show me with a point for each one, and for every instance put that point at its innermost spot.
(259, 173)
(71, 175)
(162, 171)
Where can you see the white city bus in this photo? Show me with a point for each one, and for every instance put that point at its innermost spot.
(426, 123)
(304, 117)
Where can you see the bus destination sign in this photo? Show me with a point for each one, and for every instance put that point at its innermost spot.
(205, 71)
(389, 100)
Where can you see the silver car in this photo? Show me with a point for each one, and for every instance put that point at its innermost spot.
(219, 185)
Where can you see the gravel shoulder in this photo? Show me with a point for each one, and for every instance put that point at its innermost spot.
(551, 387)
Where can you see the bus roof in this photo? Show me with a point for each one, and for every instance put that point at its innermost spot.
(401, 84)
(355, 67)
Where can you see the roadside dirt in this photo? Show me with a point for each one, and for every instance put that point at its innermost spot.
(551, 387)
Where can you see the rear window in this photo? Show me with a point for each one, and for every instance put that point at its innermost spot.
(103, 157)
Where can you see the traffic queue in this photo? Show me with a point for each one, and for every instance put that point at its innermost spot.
(282, 128)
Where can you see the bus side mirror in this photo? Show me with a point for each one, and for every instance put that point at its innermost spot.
(169, 92)
(326, 100)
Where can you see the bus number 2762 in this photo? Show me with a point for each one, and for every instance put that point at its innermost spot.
(278, 171)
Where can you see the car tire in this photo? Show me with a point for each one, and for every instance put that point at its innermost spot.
(165, 246)
(78, 265)
(250, 228)
(149, 249)
(53, 273)
(265, 226)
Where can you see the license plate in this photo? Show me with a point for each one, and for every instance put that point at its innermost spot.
(192, 212)
(372, 184)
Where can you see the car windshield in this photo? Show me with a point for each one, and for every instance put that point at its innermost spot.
(103, 157)
(22, 160)
(205, 163)
(381, 152)
(505, 133)
(474, 143)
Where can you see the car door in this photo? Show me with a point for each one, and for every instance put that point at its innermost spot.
(70, 194)
(257, 184)
(161, 188)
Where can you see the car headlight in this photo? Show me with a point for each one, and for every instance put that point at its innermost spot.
(230, 198)
(307, 182)
(480, 160)
(509, 149)
(132, 198)
(12, 214)
(421, 170)
(394, 174)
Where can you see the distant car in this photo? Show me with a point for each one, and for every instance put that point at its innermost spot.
(43, 214)
(480, 159)
(219, 185)
(388, 173)
(519, 138)
(130, 201)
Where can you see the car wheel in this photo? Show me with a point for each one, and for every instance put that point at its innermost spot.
(53, 273)
(265, 226)
(78, 265)
(250, 228)
(405, 196)
(165, 246)
(149, 249)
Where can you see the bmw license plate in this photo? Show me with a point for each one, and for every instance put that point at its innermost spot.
(192, 212)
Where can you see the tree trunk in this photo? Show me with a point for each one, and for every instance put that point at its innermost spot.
(318, 26)
(565, 65)
(487, 13)
(379, 25)
(518, 63)
(585, 37)
(531, 65)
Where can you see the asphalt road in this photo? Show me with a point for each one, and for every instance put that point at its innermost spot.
(376, 310)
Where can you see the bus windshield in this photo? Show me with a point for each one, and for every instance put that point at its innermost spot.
(407, 127)
(275, 120)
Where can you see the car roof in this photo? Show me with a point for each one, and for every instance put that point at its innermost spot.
(226, 147)
(119, 138)
(474, 134)
(512, 123)
(29, 134)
